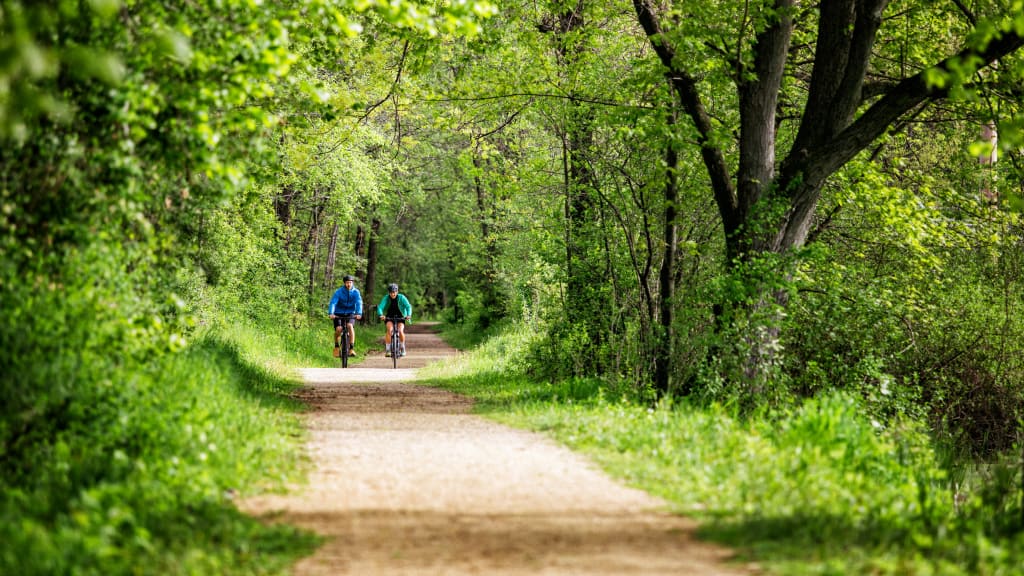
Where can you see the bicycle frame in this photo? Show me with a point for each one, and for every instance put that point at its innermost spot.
(396, 341)
(346, 343)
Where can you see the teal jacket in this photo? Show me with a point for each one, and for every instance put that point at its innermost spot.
(403, 305)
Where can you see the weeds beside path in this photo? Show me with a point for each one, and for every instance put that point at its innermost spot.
(406, 481)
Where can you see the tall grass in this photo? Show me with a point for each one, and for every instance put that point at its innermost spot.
(141, 479)
(816, 489)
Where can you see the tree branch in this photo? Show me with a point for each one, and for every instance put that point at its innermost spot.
(868, 20)
(831, 51)
(966, 12)
(391, 91)
(686, 89)
(904, 97)
(505, 122)
(846, 34)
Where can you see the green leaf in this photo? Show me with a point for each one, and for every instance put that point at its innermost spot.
(87, 63)
(105, 8)
(175, 45)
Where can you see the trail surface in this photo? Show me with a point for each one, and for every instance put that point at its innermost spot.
(406, 481)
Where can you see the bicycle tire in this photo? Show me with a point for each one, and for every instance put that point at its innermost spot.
(394, 345)
(344, 346)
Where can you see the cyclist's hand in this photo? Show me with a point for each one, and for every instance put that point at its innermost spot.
(331, 316)
(381, 316)
(359, 317)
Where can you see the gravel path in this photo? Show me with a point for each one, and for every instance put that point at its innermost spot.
(406, 481)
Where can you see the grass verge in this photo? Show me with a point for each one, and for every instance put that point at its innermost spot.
(138, 473)
(817, 489)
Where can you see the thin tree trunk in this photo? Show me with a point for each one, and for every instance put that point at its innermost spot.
(311, 247)
(371, 266)
(331, 257)
(485, 213)
(587, 285)
(664, 350)
(360, 248)
(283, 210)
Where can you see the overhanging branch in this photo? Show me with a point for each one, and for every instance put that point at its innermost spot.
(685, 88)
(897, 102)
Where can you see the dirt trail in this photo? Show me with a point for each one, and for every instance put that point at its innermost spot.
(406, 481)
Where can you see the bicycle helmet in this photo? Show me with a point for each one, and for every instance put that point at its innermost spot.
(392, 287)
(348, 277)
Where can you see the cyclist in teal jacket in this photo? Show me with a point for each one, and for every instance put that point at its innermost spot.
(395, 308)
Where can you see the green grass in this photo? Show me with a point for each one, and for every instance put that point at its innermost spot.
(465, 336)
(817, 489)
(140, 475)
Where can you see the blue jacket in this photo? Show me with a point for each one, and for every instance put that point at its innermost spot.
(403, 305)
(346, 301)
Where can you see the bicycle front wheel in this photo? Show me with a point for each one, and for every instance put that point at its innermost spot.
(394, 348)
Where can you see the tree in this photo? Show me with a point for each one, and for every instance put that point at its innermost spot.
(768, 192)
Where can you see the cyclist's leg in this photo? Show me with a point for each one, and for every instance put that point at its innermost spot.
(352, 337)
(337, 336)
(387, 338)
(401, 336)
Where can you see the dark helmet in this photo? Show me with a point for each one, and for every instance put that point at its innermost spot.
(392, 287)
(348, 277)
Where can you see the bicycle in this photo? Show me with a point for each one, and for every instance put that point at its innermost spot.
(396, 341)
(346, 344)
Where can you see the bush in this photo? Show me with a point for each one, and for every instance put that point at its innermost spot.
(122, 450)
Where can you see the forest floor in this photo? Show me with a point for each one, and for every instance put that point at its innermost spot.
(405, 480)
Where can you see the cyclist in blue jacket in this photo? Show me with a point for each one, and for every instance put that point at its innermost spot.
(394, 305)
(346, 301)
